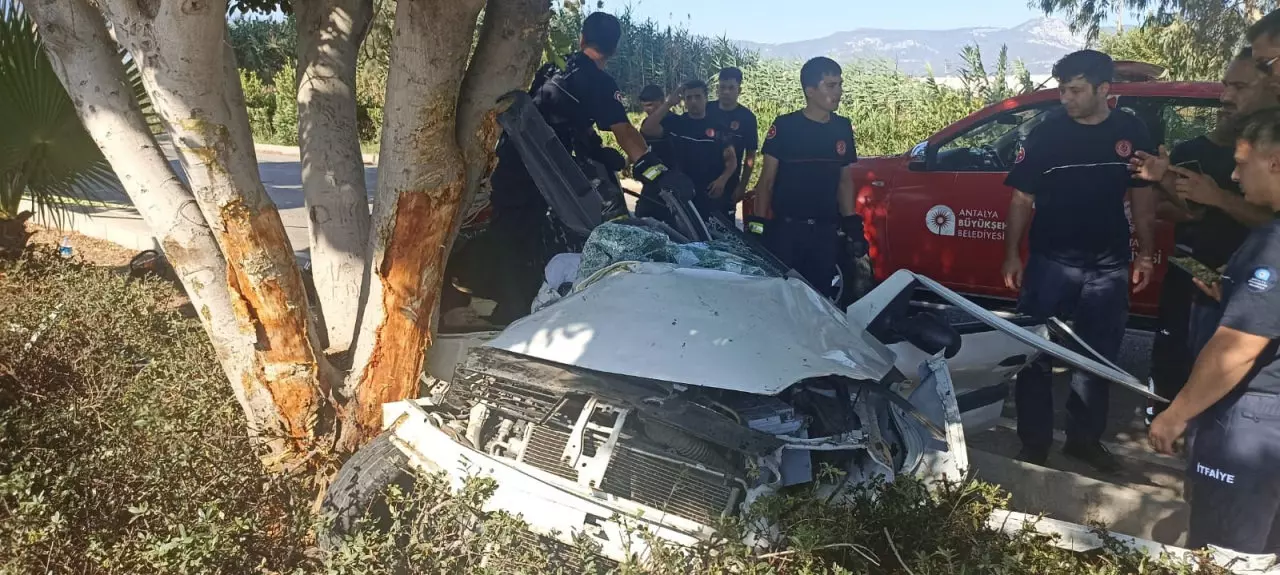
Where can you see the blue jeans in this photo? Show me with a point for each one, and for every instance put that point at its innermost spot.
(1233, 474)
(1096, 301)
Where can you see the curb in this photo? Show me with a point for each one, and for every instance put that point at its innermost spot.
(368, 159)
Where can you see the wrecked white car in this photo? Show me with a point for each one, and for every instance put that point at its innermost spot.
(679, 375)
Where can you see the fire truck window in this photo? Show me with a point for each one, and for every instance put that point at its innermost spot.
(992, 145)
(1187, 120)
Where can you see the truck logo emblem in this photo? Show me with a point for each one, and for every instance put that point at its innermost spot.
(1124, 148)
(941, 221)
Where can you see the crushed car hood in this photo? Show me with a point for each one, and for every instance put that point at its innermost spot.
(699, 327)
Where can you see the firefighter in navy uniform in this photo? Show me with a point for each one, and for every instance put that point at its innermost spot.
(1075, 168)
(1231, 403)
(704, 146)
(574, 101)
(806, 182)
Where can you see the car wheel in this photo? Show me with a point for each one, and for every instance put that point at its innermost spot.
(360, 490)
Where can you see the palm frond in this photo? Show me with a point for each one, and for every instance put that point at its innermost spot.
(46, 155)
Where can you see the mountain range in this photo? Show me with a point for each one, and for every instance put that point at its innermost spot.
(1038, 43)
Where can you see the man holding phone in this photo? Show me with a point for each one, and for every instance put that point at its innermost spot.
(1231, 404)
(1212, 220)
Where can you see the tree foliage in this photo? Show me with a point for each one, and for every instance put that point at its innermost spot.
(1193, 39)
(1172, 46)
(263, 45)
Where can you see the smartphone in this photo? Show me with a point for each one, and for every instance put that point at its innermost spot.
(1197, 269)
(1193, 165)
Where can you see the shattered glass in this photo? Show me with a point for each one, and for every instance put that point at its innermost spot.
(611, 243)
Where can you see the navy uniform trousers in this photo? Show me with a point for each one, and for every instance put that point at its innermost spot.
(1096, 301)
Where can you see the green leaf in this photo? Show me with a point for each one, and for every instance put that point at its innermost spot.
(45, 152)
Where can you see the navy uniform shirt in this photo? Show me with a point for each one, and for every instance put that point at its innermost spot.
(1251, 302)
(1079, 175)
(811, 156)
(741, 123)
(578, 99)
(1215, 235)
(699, 145)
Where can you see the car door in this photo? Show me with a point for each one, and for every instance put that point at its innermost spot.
(946, 214)
(1172, 121)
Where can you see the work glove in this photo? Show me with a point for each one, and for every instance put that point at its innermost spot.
(649, 168)
(612, 159)
(754, 225)
(854, 234)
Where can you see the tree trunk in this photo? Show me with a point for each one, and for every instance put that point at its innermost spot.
(509, 50)
(181, 49)
(86, 60)
(420, 184)
(329, 37)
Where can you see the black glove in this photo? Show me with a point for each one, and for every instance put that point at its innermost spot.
(649, 168)
(854, 234)
(754, 225)
(611, 158)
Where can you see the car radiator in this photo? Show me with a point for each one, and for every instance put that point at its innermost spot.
(651, 479)
(637, 470)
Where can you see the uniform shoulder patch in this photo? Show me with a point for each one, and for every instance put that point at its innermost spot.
(620, 98)
(1124, 148)
(773, 131)
(841, 147)
(1022, 154)
(1263, 279)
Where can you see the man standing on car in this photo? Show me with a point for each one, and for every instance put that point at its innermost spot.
(704, 146)
(1074, 167)
(1231, 404)
(807, 182)
(1212, 220)
(742, 126)
(571, 100)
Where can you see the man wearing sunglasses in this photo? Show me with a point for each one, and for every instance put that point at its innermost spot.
(1211, 221)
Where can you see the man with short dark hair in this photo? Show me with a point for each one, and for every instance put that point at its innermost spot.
(741, 123)
(1231, 404)
(1212, 220)
(703, 146)
(807, 182)
(574, 101)
(1074, 167)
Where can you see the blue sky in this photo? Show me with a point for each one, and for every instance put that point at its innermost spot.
(787, 20)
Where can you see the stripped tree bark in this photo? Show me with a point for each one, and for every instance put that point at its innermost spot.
(509, 49)
(329, 37)
(89, 65)
(181, 50)
(421, 178)
(224, 235)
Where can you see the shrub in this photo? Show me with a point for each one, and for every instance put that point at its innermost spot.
(122, 449)
(260, 103)
(284, 120)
